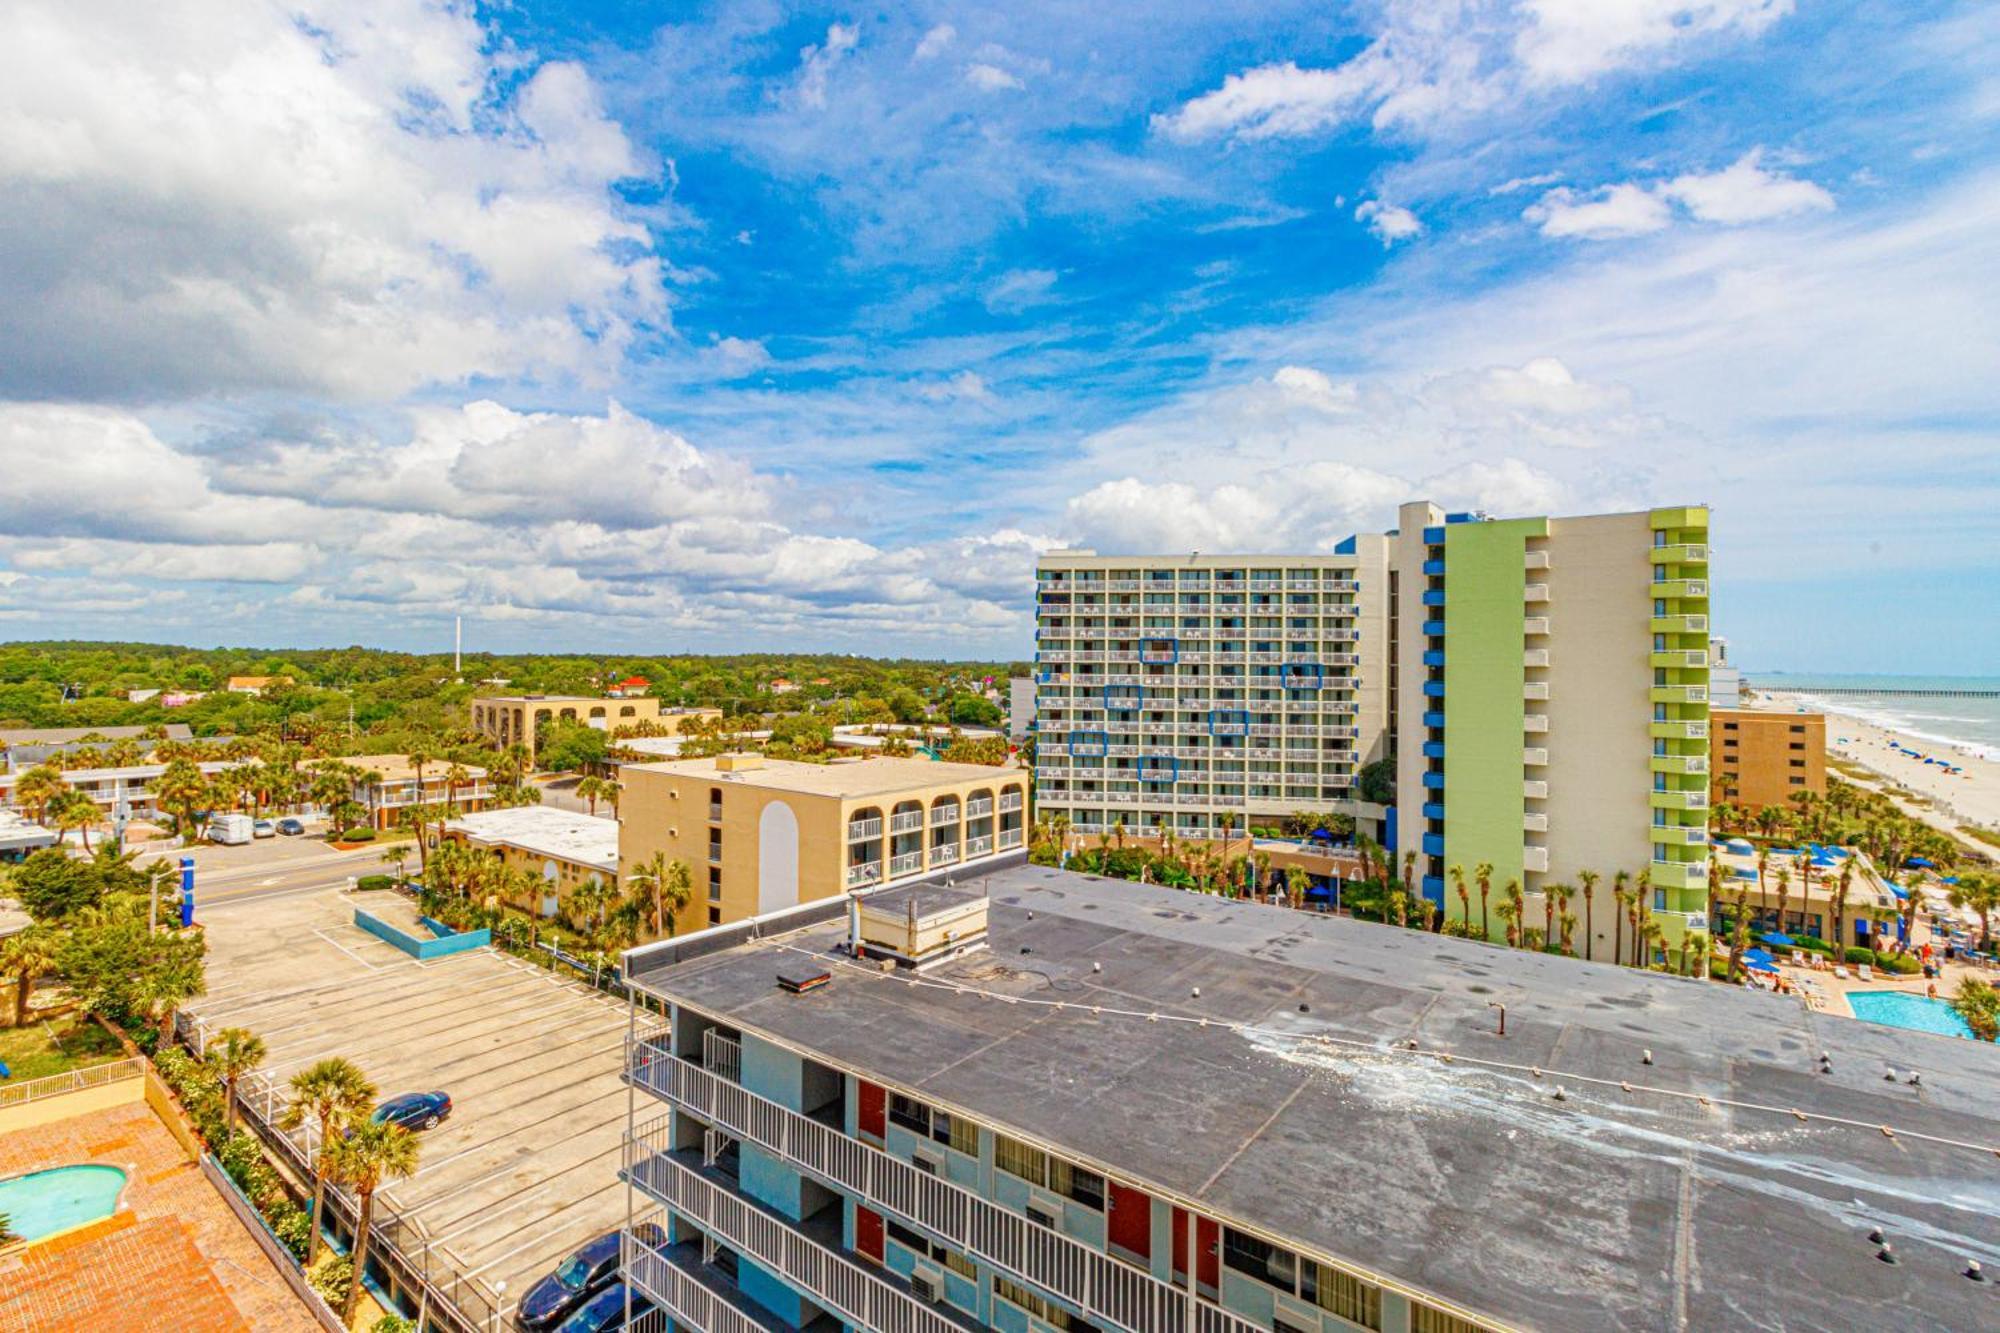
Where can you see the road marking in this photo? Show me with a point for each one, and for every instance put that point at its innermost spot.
(344, 949)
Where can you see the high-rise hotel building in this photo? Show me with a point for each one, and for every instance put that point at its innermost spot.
(1540, 683)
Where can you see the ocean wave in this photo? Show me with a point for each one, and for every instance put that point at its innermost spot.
(1904, 724)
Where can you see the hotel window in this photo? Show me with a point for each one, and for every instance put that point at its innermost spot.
(1047, 1311)
(1427, 1319)
(1260, 1259)
(927, 1249)
(1349, 1297)
(715, 883)
(1051, 1173)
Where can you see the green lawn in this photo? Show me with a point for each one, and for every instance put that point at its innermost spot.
(30, 1053)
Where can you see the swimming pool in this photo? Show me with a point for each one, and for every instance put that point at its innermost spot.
(42, 1203)
(1919, 1013)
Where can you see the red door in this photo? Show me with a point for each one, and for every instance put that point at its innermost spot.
(874, 1117)
(1207, 1242)
(1130, 1227)
(868, 1233)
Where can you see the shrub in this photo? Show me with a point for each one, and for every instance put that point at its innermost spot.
(292, 1226)
(1811, 944)
(330, 1278)
(1718, 969)
(1856, 954)
(392, 1323)
(1901, 964)
(370, 882)
(357, 835)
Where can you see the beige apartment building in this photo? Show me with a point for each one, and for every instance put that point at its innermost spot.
(394, 786)
(510, 718)
(1761, 758)
(561, 848)
(764, 834)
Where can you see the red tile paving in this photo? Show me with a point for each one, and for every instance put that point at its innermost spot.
(173, 1258)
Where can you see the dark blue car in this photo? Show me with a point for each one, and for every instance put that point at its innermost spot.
(604, 1311)
(578, 1278)
(414, 1110)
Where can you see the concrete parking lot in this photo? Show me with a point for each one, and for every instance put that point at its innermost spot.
(525, 1169)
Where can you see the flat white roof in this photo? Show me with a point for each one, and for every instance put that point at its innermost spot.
(544, 830)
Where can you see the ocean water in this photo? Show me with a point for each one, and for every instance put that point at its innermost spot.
(1969, 725)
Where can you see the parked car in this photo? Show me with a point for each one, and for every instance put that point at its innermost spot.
(263, 828)
(605, 1311)
(414, 1110)
(291, 827)
(578, 1278)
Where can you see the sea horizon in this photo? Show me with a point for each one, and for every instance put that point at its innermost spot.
(1970, 725)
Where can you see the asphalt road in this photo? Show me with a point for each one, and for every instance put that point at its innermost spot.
(313, 867)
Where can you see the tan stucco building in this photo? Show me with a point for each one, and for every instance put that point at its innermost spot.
(765, 834)
(561, 848)
(1761, 758)
(508, 718)
(394, 787)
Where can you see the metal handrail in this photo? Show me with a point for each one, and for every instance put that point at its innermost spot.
(74, 1080)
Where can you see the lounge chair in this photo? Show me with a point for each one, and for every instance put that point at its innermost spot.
(1840, 971)
(1799, 958)
(1865, 972)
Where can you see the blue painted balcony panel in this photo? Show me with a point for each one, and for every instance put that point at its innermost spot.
(1434, 781)
(1434, 718)
(1434, 689)
(1433, 657)
(1433, 749)
(1433, 844)
(1433, 566)
(1433, 809)
(1434, 536)
(1434, 629)
(1433, 597)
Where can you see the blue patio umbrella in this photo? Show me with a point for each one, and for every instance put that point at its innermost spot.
(1776, 938)
(1898, 890)
(1917, 863)
(1759, 961)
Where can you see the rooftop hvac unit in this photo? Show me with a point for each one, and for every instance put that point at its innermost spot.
(927, 1287)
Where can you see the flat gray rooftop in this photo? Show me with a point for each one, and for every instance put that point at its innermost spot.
(1298, 1111)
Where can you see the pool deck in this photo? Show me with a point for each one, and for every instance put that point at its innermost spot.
(173, 1257)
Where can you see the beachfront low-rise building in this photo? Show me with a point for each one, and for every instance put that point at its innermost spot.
(761, 835)
(518, 719)
(1870, 908)
(1760, 757)
(1072, 1103)
(562, 849)
(126, 790)
(20, 836)
(391, 785)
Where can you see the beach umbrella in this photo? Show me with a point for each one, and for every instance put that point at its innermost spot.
(1759, 961)
(1777, 938)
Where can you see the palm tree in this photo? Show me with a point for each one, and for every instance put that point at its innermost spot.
(1739, 938)
(39, 789)
(1517, 901)
(672, 887)
(1551, 895)
(235, 1052)
(182, 791)
(26, 957)
(456, 776)
(1296, 881)
(420, 756)
(1784, 895)
(1981, 893)
(374, 1152)
(1568, 932)
(1842, 885)
(1482, 874)
(609, 791)
(587, 790)
(1588, 879)
(1505, 911)
(334, 1092)
(1642, 913)
(1714, 888)
(397, 856)
(75, 811)
(1619, 896)
(1457, 874)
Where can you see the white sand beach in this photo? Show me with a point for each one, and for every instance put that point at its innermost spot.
(1969, 796)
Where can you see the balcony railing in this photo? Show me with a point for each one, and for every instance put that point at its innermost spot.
(944, 814)
(844, 1287)
(979, 807)
(909, 821)
(905, 864)
(979, 846)
(673, 1289)
(945, 855)
(1104, 1287)
(860, 830)
(1009, 837)
(868, 872)
(715, 812)
(1535, 592)
(722, 1055)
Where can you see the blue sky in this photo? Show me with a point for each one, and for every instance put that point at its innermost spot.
(758, 325)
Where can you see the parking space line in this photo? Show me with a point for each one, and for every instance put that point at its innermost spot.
(358, 1014)
(404, 1035)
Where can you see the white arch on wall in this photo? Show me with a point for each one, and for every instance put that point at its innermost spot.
(777, 857)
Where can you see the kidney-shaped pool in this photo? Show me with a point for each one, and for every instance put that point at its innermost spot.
(42, 1203)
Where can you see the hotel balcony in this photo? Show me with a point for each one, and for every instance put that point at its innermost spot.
(1535, 657)
(699, 1295)
(1683, 553)
(1678, 694)
(979, 807)
(911, 862)
(1535, 758)
(1535, 722)
(945, 854)
(1680, 763)
(1678, 625)
(1536, 560)
(864, 829)
(1535, 689)
(1680, 731)
(1686, 588)
(1678, 800)
(1535, 790)
(1679, 874)
(1535, 823)
(1535, 592)
(1535, 858)
(1110, 1291)
(1681, 658)
(1535, 625)
(860, 876)
(1681, 835)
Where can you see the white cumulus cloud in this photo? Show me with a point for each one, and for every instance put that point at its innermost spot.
(1389, 222)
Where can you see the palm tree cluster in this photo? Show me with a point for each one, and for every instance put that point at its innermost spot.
(475, 886)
